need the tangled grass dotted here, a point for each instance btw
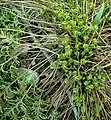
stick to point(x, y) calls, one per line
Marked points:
point(55, 60)
point(20, 96)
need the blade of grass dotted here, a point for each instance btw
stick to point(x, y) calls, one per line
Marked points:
point(97, 19)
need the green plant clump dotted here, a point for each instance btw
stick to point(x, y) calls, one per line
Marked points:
point(77, 56)
point(74, 60)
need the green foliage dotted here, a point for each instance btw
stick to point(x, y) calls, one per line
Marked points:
point(31, 79)
point(20, 98)
point(77, 55)
point(9, 40)
point(97, 19)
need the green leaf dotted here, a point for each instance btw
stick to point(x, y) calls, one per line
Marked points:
point(66, 42)
point(31, 78)
point(86, 47)
point(93, 27)
point(53, 66)
point(83, 61)
point(97, 19)
point(91, 87)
